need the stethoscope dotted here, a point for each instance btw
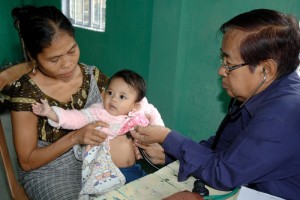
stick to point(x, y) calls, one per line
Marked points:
point(234, 110)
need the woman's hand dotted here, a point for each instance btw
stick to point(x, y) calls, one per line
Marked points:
point(154, 152)
point(150, 134)
point(90, 134)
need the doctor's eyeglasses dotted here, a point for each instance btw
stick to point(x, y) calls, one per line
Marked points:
point(230, 68)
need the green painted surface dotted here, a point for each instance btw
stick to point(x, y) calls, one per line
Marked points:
point(10, 50)
point(126, 41)
point(184, 61)
point(173, 44)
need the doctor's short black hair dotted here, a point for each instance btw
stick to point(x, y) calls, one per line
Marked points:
point(269, 34)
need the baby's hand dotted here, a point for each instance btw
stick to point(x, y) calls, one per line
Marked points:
point(42, 109)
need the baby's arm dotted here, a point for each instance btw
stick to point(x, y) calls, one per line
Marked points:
point(43, 109)
point(151, 113)
point(75, 119)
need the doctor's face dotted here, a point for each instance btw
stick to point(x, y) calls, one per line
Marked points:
point(237, 78)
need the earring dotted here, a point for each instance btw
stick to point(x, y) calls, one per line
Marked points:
point(33, 68)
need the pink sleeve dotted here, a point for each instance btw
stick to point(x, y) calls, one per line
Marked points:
point(75, 119)
point(149, 109)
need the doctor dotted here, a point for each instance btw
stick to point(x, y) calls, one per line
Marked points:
point(258, 142)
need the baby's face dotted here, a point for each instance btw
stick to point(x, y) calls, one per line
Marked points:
point(119, 98)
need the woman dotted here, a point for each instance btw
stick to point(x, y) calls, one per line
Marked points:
point(257, 144)
point(49, 169)
point(124, 106)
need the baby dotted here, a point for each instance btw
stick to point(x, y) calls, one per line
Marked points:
point(124, 106)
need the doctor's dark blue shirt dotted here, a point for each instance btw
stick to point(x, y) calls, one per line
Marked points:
point(260, 147)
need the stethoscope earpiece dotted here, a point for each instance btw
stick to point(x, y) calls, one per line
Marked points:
point(265, 75)
point(234, 110)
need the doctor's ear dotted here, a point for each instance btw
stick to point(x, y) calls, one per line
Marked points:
point(269, 68)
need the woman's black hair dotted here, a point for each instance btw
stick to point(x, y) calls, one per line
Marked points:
point(37, 26)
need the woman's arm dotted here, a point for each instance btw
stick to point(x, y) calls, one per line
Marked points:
point(31, 157)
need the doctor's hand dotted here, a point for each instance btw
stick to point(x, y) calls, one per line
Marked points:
point(155, 152)
point(150, 134)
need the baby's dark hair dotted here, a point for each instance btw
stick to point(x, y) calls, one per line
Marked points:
point(134, 80)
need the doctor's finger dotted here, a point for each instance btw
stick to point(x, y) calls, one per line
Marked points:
point(137, 136)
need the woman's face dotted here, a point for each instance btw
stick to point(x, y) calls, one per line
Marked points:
point(60, 60)
point(239, 83)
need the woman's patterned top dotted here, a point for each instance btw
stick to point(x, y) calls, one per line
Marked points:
point(24, 92)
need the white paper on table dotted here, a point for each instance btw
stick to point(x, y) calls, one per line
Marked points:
point(250, 194)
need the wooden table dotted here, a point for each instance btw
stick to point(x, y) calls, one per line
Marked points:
point(156, 186)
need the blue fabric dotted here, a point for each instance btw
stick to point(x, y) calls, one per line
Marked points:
point(132, 173)
point(260, 147)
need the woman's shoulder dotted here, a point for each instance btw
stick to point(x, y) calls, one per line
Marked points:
point(88, 69)
point(22, 93)
point(98, 75)
point(91, 69)
point(22, 86)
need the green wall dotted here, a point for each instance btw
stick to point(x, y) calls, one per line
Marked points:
point(184, 60)
point(126, 40)
point(10, 50)
point(173, 44)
